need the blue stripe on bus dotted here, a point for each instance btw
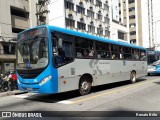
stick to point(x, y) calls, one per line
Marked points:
point(80, 34)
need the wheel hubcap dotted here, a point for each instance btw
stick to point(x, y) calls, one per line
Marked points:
point(133, 77)
point(85, 86)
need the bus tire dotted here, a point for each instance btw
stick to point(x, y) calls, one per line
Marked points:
point(84, 85)
point(133, 77)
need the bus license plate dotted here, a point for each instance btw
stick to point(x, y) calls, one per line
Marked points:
point(29, 88)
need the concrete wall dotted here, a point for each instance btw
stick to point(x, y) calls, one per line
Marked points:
point(32, 9)
point(5, 16)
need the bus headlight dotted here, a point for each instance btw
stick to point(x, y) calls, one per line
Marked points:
point(45, 80)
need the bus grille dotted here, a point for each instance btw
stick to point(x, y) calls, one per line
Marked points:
point(30, 74)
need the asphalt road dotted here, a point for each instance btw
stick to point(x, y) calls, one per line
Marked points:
point(119, 100)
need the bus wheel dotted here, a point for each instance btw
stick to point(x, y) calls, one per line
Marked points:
point(133, 77)
point(84, 85)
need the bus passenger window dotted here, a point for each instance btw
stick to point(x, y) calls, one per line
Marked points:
point(62, 48)
point(78, 53)
point(127, 53)
point(143, 55)
point(84, 48)
point(135, 54)
point(85, 53)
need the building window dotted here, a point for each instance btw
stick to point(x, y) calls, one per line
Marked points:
point(131, 1)
point(132, 9)
point(120, 35)
point(91, 1)
point(132, 25)
point(100, 30)
point(98, 3)
point(107, 33)
point(91, 29)
point(119, 4)
point(17, 30)
point(69, 5)
point(90, 14)
point(80, 10)
point(19, 12)
point(133, 33)
point(106, 7)
point(81, 26)
point(106, 20)
point(133, 41)
point(99, 15)
point(9, 48)
point(132, 17)
point(70, 22)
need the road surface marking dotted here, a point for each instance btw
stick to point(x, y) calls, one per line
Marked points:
point(65, 102)
point(113, 91)
point(21, 96)
point(61, 102)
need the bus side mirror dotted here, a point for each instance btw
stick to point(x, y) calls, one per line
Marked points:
point(60, 43)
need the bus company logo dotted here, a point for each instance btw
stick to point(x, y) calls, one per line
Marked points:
point(6, 114)
point(98, 66)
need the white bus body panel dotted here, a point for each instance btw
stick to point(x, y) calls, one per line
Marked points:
point(102, 72)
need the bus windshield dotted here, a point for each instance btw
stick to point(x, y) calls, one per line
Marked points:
point(32, 49)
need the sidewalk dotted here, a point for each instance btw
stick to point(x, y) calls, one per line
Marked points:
point(8, 93)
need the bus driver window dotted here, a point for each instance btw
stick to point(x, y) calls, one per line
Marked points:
point(62, 48)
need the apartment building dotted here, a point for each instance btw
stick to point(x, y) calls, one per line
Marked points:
point(96, 17)
point(14, 17)
point(134, 18)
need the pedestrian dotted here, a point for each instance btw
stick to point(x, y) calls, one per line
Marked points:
point(14, 80)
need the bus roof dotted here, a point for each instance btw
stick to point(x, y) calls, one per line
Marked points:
point(84, 35)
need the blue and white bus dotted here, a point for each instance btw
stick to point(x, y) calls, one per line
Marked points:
point(53, 60)
point(152, 56)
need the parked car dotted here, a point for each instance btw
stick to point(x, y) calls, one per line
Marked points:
point(154, 68)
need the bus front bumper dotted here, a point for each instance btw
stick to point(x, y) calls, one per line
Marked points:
point(37, 87)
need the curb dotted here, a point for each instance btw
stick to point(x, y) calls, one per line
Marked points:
point(8, 93)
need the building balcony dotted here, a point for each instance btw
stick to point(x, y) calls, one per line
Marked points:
point(132, 13)
point(7, 57)
point(131, 5)
point(132, 29)
point(132, 36)
point(132, 21)
point(7, 51)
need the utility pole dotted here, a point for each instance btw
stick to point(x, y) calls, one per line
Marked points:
point(41, 8)
point(150, 24)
